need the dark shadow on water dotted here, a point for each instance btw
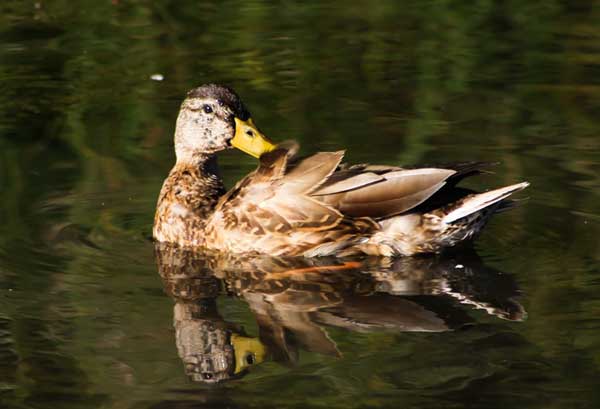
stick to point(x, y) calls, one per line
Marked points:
point(297, 301)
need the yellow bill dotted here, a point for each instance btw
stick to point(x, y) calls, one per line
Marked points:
point(247, 351)
point(249, 139)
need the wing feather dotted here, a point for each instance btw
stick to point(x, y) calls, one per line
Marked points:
point(274, 201)
point(313, 171)
point(351, 183)
point(396, 192)
point(316, 193)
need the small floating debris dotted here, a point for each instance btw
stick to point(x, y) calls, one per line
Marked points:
point(157, 77)
point(459, 266)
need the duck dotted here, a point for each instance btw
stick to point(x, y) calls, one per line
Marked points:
point(311, 206)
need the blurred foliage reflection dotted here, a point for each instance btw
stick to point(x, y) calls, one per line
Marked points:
point(85, 142)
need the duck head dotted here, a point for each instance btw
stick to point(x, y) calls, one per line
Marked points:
point(213, 118)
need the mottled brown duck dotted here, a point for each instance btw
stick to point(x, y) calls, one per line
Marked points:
point(313, 206)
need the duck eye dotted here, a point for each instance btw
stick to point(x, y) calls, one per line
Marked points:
point(207, 109)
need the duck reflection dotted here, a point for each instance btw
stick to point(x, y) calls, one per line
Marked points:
point(295, 301)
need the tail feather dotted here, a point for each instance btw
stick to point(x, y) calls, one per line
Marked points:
point(480, 201)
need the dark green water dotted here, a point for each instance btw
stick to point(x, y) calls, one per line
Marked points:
point(87, 321)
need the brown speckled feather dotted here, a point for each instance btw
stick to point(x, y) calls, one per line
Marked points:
point(271, 211)
point(186, 200)
point(317, 207)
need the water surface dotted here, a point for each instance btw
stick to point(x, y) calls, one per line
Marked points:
point(90, 317)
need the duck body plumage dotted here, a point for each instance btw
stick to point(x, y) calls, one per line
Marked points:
point(318, 206)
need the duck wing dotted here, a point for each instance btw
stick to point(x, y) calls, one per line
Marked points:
point(381, 192)
point(275, 200)
point(317, 192)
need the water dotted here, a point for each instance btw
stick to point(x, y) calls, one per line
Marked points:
point(90, 317)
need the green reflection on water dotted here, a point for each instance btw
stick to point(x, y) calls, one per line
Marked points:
point(85, 142)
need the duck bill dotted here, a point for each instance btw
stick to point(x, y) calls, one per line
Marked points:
point(244, 347)
point(249, 139)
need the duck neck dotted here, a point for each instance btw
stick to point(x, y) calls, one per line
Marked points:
point(205, 164)
point(201, 178)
